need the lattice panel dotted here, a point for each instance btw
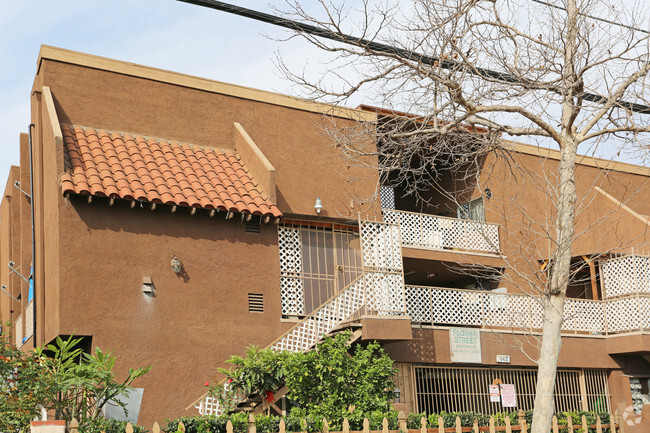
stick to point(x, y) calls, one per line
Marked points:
point(418, 303)
point(290, 249)
point(381, 246)
point(622, 315)
point(644, 311)
point(384, 292)
point(208, 406)
point(19, 331)
point(430, 231)
point(583, 315)
point(292, 296)
point(29, 320)
point(322, 321)
point(456, 307)
point(387, 197)
point(626, 275)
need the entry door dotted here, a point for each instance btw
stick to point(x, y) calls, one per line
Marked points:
point(331, 261)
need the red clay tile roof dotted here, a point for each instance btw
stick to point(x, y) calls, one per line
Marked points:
point(137, 168)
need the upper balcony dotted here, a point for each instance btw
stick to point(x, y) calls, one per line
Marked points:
point(444, 233)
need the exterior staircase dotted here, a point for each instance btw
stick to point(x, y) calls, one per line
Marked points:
point(378, 290)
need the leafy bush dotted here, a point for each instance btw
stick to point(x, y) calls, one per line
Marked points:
point(270, 424)
point(61, 383)
point(102, 425)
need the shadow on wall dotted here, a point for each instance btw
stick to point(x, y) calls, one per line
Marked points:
point(140, 219)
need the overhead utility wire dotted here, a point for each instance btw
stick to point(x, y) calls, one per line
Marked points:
point(387, 49)
point(594, 18)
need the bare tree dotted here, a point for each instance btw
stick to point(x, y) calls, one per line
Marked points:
point(515, 68)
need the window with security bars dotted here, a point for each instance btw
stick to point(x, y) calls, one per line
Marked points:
point(472, 210)
point(457, 389)
point(316, 262)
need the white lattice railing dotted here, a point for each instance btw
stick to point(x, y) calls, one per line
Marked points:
point(625, 275)
point(432, 305)
point(430, 231)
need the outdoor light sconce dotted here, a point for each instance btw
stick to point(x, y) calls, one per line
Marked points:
point(397, 393)
point(488, 193)
point(147, 286)
point(177, 266)
point(319, 205)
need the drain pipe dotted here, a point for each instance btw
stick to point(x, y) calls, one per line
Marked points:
point(31, 200)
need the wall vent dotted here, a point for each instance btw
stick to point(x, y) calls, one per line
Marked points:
point(255, 303)
point(253, 227)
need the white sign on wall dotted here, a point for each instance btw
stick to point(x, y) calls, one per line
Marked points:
point(465, 345)
point(508, 395)
point(495, 395)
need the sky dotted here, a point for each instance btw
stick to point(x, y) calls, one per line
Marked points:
point(165, 34)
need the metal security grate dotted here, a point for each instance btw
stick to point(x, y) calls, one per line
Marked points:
point(255, 303)
point(462, 389)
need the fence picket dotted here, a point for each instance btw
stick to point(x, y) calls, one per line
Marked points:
point(73, 426)
point(423, 425)
point(599, 425)
point(366, 425)
point(384, 426)
point(459, 427)
point(508, 426)
point(475, 426)
point(584, 423)
point(441, 425)
point(569, 424)
point(181, 427)
point(346, 425)
point(555, 427)
point(401, 421)
point(229, 428)
point(326, 427)
point(492, 429)
point(155, 428)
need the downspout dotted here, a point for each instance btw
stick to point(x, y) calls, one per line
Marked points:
point(33, 270)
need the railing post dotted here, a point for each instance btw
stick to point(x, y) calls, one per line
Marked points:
point(521, 416)
point(401, 421)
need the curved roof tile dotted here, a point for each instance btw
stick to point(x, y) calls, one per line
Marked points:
point(131, 166)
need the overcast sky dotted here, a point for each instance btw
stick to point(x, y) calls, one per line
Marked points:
point(164, 34)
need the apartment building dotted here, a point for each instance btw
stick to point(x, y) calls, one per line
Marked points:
point(178, 220)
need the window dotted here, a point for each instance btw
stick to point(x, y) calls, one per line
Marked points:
point(472, 210)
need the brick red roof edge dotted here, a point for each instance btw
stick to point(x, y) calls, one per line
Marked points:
point(132, 167)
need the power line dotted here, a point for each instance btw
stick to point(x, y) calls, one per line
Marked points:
point(387, 49)
point(594, 18)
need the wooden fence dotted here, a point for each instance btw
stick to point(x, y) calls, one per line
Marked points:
point(521, 427)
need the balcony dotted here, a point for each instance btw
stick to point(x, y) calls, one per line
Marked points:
point(443, 233)
point(440, 306)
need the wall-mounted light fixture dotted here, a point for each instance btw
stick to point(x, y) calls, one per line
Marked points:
point(396, 394)
point(488, 193)
point(318, 206)
point(4, 289)
point(177, 266)
point(147, 286)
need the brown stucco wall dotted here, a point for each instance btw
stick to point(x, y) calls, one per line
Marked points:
point(303, 155)
point(195, 322)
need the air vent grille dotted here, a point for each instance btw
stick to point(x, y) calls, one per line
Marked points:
point(255, 303)
point(253, 227)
